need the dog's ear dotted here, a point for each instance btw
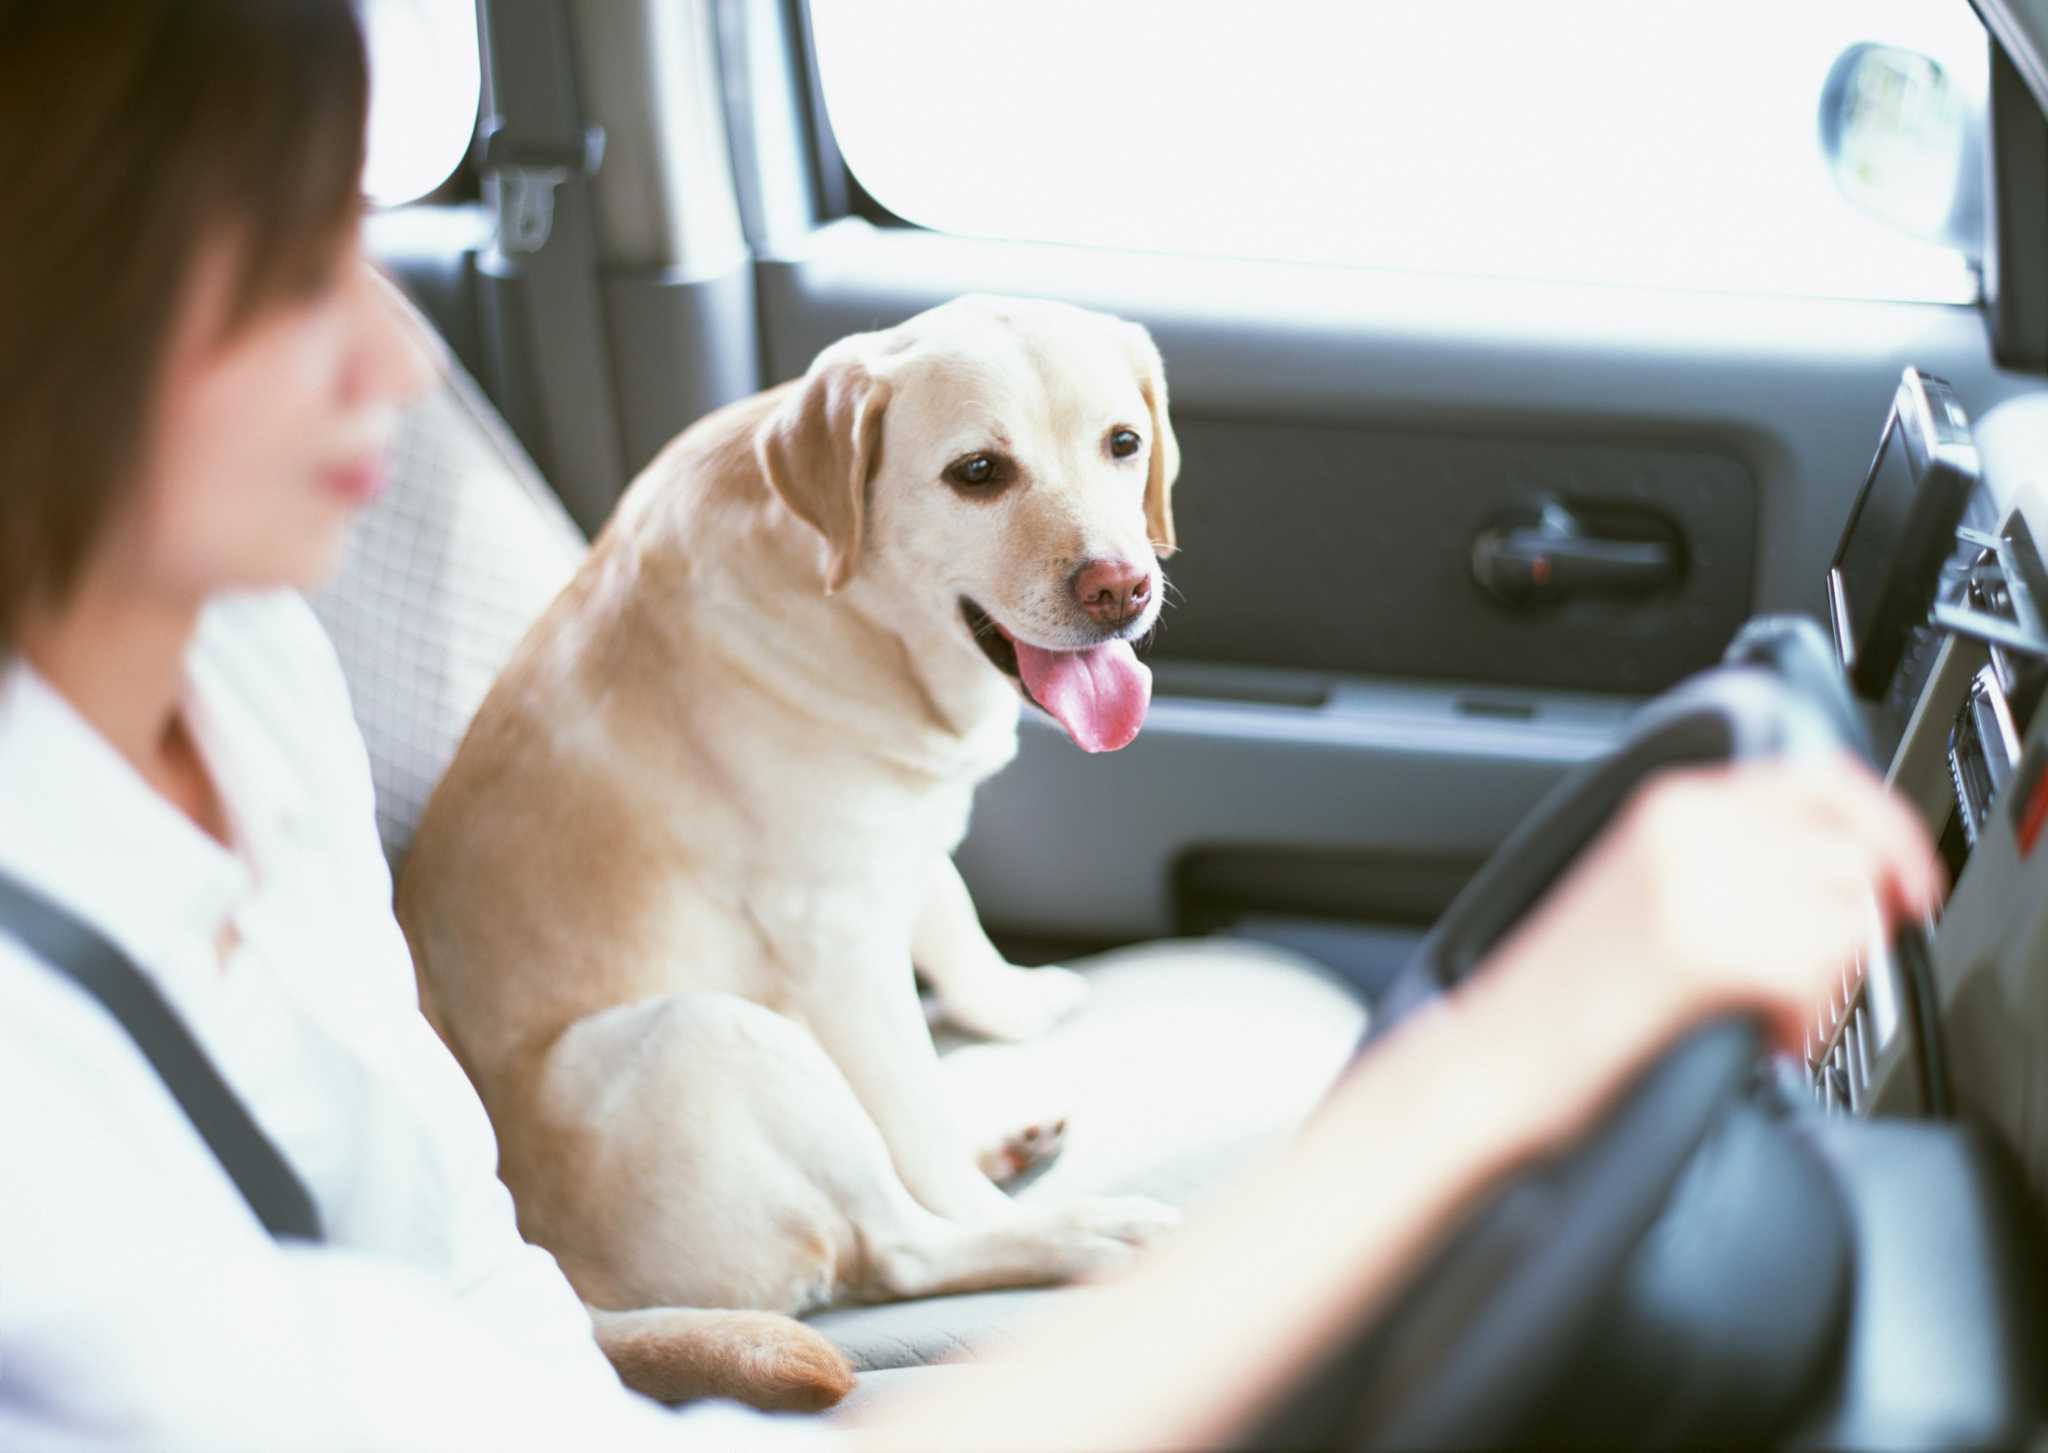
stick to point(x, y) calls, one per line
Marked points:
point(1165, 463)
point(818, 450)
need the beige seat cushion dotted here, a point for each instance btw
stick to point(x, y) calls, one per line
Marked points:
point(1189, 1058)
point(441, 577)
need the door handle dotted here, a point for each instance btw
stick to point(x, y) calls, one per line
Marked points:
point(1554, 557)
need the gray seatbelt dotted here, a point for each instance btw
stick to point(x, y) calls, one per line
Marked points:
point(85, 956)
point(542, 311)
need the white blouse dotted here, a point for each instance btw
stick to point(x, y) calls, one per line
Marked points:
point(141, 1302)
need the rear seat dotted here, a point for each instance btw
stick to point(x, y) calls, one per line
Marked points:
point(1189, 1056)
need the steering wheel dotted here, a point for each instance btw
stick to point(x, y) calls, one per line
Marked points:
point(1579, 1274)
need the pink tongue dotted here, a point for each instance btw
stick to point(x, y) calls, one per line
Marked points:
point(1099, 695)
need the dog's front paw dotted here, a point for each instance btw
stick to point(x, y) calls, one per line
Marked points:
point(1013, 1003)
point(1105, 1232)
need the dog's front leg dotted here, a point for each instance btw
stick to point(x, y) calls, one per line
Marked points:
point(865, 1013)
point(979, 990)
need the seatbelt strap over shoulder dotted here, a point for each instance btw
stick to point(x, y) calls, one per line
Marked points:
point(85, 956)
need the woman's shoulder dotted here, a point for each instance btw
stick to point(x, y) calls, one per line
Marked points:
point(271, 643)
point(267, 652)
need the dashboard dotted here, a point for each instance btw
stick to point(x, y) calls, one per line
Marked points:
point(1956, 1021)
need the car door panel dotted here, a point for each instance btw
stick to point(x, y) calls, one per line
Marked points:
point(1217, 794)
point(1345, 434)
point(1352, 550)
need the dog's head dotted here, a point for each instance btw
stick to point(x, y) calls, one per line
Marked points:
point(1006, 466)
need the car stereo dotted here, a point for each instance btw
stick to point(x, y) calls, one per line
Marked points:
point(1888, 563)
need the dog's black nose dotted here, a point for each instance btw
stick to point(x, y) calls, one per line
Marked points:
point(1112, 591)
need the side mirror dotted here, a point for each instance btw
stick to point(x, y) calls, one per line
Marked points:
point(1905, 144)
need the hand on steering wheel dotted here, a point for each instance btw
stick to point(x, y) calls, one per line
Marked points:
point(1722, 867)
point(1734, 886)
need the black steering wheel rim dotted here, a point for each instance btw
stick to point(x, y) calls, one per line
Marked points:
point(1475, 1343)
point(1470, 1351)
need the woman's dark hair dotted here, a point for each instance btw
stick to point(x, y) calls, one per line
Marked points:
point(133, 135)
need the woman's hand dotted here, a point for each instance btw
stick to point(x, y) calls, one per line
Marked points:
point(1745, 886)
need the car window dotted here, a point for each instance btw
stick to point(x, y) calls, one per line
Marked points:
point(425, 82)
point(1670, 144)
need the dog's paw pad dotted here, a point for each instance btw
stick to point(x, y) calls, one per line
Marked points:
point(1031, 1148)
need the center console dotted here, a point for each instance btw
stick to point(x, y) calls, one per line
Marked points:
point(1930, 1063)
point(1934, 597)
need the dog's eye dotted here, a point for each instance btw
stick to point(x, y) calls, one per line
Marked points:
point(1123, 443)
point(977, 471)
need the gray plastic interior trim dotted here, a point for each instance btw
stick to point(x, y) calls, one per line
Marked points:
point(547, 364)
point(2012, 443)
point(1065, 843)
point(648, 73)
point(765, 122)
point(681, 347)
point(1988, 951)
point(1932, 1336)
point(1991, 942)
point(2021, 27)
point(1337, 533)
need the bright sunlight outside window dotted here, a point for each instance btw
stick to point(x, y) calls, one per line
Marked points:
point(424, 87)
point(1667, 144)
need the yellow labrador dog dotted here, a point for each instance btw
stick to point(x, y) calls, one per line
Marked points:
point(666, 903)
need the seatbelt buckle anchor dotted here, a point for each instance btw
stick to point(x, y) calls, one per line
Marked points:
point(523, 175)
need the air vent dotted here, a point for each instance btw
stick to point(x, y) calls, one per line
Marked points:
point(1839, 1054)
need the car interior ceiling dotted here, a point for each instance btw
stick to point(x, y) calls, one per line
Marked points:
point(1382, 766)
